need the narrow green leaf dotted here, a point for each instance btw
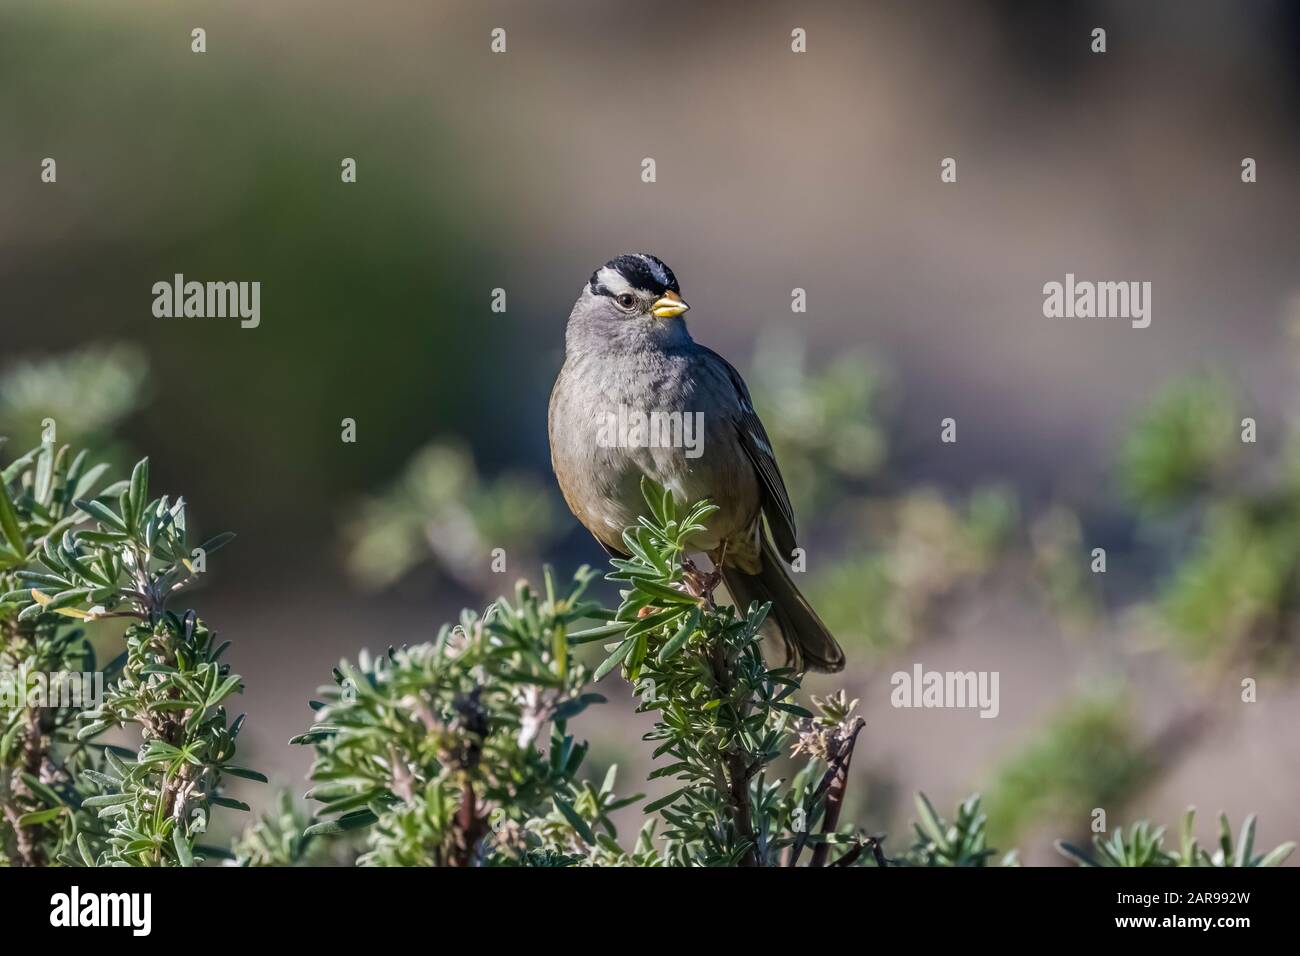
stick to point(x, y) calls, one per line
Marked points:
point(101, 513)
point(662, 592)
point(9, 522)
point(1072, 851)
point(86, 483)
point(929, 819)
point(579, 825)
point(591, 635)
point(228, 687)
point(38, 817)
point(107, 800)
point(230, 803)
point(182, 845)
point(678, 640)
point(613, 660)
point(349, 821)
point(651, 621)
point(139, 493)
point(18, 466)
point(1277, 856)
point(665, 801)
point(1246, 842)
point(245, 773)
point(84, 849)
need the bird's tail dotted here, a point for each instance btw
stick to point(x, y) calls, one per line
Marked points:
point(807, 642)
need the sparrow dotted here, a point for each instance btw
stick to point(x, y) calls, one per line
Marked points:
point(637, 396)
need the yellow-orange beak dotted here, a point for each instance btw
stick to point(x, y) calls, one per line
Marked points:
point(668, 305)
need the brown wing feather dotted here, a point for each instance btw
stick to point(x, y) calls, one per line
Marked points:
point(758, 448)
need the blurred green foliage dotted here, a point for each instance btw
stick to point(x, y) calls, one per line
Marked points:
point(1229, 512)
point(1086, 755)
point(1145, 846)
point(1236, 593)
point(440, 508)
point(963, 842)
point(1181, 443)
point(1058, 557)
point(829, 429)
point(87, 393)
point(923, 549)
point(278, 837)
point(824, 424)
point(375, 293)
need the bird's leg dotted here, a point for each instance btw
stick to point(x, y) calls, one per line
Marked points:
point(692, 578)
point(697, 583)
point(714, 577)
point(701, 584)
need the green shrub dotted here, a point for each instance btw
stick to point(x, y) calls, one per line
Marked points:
point(458, 752)
point(89, 556)
point(1144, 846)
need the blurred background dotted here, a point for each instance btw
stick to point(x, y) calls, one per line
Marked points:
point(522, 171)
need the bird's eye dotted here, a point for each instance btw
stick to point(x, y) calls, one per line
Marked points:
point(626, 300)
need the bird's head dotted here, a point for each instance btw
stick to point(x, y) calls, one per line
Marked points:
point(632, 296)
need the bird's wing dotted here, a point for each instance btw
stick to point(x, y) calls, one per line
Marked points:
point(758, 448)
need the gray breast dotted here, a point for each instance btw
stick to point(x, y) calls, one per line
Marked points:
point(614, 419)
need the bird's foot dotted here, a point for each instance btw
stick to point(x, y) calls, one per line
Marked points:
point(700, 584)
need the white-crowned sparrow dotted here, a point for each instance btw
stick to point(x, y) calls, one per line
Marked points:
point(638, 396)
